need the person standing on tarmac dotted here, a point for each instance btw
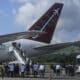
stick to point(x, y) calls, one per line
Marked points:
point(11, 70)
point(58, 68)
point(42, 70)
point(22, 70)
point(6, 69)
point(16, 70)
point(2, 71)
point(35, 70)
point(28, 69)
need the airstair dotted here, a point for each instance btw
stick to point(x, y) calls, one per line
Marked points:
point(19, 54)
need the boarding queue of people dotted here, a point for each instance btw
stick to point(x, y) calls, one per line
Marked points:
point(21, 70)
point(63, 70)
point(36, 70)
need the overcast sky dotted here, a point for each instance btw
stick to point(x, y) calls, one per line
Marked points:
point(19, 15)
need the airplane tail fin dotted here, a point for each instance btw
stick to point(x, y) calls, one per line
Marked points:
point(47, 24)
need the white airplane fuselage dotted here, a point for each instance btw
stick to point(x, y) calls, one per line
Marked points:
point(26, 45)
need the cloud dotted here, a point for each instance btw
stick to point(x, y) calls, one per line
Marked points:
point(30, 12)
point(68, 26)
point(24, 14)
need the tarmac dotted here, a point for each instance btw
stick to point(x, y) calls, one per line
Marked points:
point(75, 78)
point(46, 78)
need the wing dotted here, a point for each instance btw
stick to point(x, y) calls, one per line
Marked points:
point(53, 48)
point(21, 35)
point(50, 49)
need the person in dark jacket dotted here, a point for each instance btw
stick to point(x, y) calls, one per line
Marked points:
point(28, 69)
point(16, 70)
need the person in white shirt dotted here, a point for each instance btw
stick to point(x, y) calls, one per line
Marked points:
point(22, 70)
point(58, 68)
point(42, 70)
point(11, 69)
point(35, 70)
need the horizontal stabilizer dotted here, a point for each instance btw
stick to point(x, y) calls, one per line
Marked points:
point(21, 35)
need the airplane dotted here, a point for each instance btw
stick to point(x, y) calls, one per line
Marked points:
point(18, 47)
